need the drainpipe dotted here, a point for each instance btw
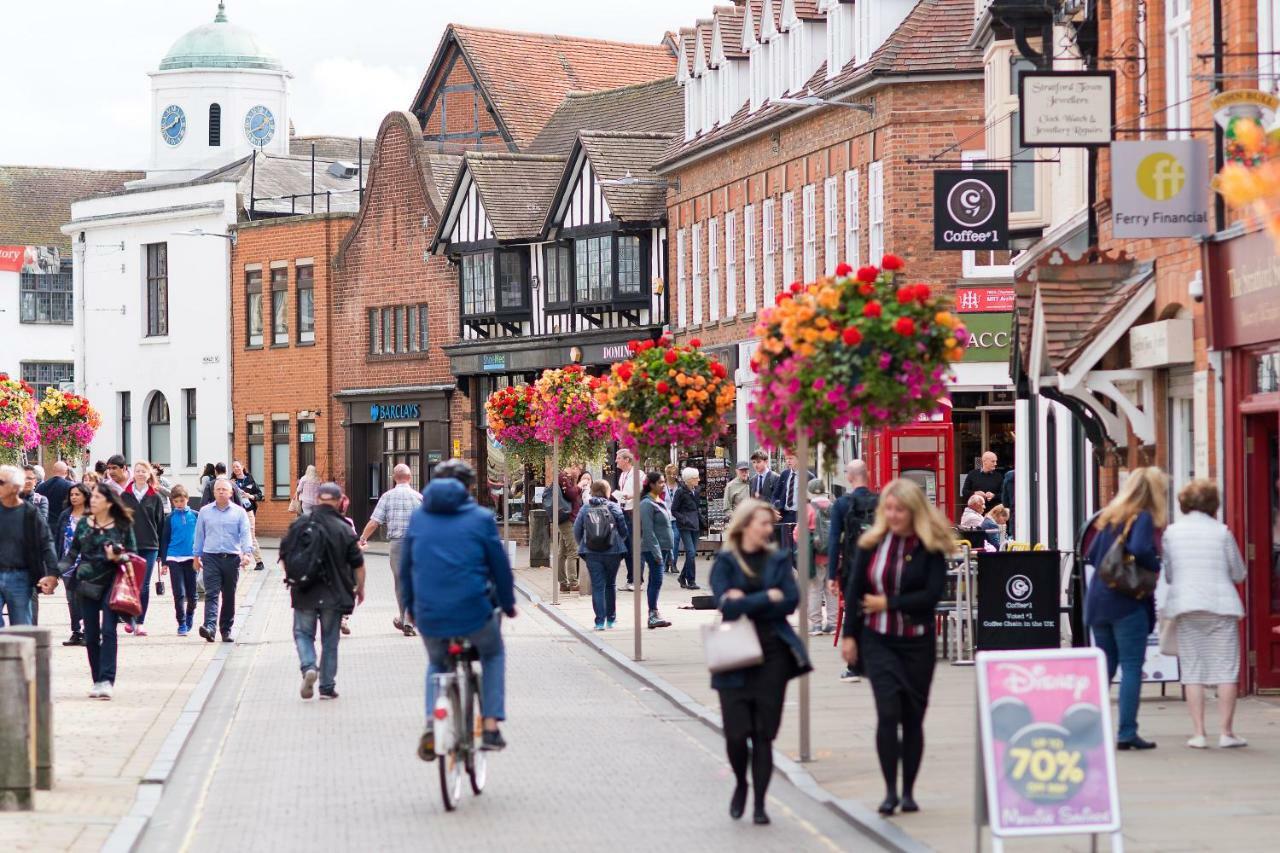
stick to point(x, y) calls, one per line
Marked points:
point(1219, 159)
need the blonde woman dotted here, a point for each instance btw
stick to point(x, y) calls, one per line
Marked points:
point(750, 578)
point(1202, 566)
point(1121, 624)
point(896, 581)
point(308, 485)
point(142, 499)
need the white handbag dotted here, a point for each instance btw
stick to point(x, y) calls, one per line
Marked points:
point(732, 644)
point(1169, 637)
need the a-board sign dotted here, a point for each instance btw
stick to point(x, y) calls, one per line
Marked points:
point(1046, 744)
point(1018, 595)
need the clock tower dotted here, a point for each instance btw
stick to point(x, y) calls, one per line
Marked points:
point(218, 95)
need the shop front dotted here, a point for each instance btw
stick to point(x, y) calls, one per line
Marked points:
point(1244, 319)
point(389, 426)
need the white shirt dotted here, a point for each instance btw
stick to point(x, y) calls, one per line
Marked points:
point(626, 488)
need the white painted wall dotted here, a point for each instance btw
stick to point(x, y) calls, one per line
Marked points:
point(27, 342)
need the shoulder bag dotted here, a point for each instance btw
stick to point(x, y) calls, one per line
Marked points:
point(126, 595)
point(731, 644)
point(1119, 572)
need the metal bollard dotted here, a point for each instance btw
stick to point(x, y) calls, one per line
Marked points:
point(44, 698)
point(17, 723)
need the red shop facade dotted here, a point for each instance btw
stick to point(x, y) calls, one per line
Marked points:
point(1243, 294)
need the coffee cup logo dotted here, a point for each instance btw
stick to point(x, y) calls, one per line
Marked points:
point(971, 203)
point(1018, 588)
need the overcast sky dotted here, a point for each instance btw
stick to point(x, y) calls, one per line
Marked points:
point(75, 71)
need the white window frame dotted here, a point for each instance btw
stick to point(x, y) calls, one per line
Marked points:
point(682, 283)
point(875, 211)
point(769, 242)
point(809, 234)
point(1268, 43)
point(749, 258)
point(713, 269)
point(697, 274)
point(831, 224)
point(730, 264)
point(1002, 111)
point(852, 219)
point(1177, 79)
point(788, 238)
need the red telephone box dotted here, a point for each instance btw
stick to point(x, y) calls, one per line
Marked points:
point(921, 451)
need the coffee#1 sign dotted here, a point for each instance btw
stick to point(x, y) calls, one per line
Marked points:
point(1047, 756)
point(970, 209)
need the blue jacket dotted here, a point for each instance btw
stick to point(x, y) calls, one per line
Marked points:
point(453, 568)
point(620, 527)
point(178, 535)
point(727, 574)
point(1102, 604)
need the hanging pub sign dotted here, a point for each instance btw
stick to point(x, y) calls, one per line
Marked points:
point(1067, 109)
point(1160, 188)
point(970, 209)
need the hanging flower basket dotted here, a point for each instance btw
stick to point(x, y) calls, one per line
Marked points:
point(666, 395)
point(67, 423)
point(856, 350)
point(513, 417)
point(568, 413)
point(1251, 178)
point(19, 432)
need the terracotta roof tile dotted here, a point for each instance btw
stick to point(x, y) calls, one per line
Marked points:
point(730, 19)
point(656, 107)
point(615, 155)
point(516, 189)
point(35, 201)
point(527, 75)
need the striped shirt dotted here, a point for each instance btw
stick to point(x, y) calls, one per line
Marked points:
point(884, 575)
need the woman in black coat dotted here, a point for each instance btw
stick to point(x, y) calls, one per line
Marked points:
point(752, 579)
point(897, 578)
point(147, 507)
point(688, 519)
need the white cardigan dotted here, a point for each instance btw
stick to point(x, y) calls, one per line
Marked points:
point(1201, 565)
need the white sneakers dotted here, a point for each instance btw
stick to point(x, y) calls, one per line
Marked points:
point(1197, 742)
point(1224, 742)
point(96, 692)
point(101, 690)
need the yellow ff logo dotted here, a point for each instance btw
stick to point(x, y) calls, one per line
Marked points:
point(1161, 176)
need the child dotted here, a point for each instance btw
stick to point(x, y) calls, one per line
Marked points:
point(177, 546)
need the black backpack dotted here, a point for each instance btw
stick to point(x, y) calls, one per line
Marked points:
point(861, 515)
point(566, 510)
point(305, 552)
point(598, 528)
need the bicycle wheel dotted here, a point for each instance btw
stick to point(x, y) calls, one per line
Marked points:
point(451, 764)
point(477, 759)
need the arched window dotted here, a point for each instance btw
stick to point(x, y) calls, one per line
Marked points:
point(158, 430)
point(215, 125)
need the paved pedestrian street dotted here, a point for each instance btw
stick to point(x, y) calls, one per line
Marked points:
point(594, 762)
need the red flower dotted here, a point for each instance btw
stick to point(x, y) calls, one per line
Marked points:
point(662, 386)
point(718, 370)
point(509, 412)
point(664, 341)
point(906, 294)
point(866, 289)
point(872, 309)
point(891, 262)
point(781, 298)
point(852, 337)
point(671, 356)
point(633, 346)
point(905, 326)
point(624, 371)
point(755, 365)
point(797, 287)
point(922, 293)
point(695, 342)
point(867, 275)
point(843, 270)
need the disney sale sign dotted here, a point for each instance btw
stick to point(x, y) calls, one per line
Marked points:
point(1048, 754)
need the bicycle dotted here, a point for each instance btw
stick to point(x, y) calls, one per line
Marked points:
point(458, 723)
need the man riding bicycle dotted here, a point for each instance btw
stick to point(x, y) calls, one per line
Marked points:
point(456, 580)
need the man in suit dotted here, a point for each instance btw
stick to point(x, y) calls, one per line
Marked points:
point(763, 480)
point(786, 495)
point(55, 490)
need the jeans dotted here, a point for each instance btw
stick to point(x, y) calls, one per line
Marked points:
point(73, 604)
point(150, 556)
point(100, 637)
point(1124, 642)
point(487, 642)
point(626, 558)
point(689, 541)
point(304, 637)
point(674, 553)
point(221, 572)
point(604, 585)
point(653, 560)
point(395, 546)
point(253, 535)
point(182, 576)
point(15, 591)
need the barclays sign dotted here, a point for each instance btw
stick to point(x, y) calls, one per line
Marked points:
point(393, 412)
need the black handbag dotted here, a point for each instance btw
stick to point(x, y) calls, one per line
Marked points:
point(1119, 572)
point(91, 590)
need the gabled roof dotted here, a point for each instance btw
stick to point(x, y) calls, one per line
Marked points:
point(443, 170)
point(525, 76)
point(728, 22)
point(515, 189)
point(35, 201)
point(614, 156)
point(656, 107)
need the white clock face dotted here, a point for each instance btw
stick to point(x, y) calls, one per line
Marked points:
point(259, 125)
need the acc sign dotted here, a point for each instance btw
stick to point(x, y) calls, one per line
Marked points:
point(970, 210)
point(1160, 188)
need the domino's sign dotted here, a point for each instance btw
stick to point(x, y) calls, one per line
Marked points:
point(970, 209)
point(393, 412)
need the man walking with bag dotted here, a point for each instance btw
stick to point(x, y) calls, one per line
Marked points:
point(324, 567)
point(570, 505)
point(394, 509)
point(223, 544)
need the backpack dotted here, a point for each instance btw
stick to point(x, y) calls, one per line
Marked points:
point(861, 515)
point(305, 552)
point(598, 528)
point(566, 510)
point(821, 528)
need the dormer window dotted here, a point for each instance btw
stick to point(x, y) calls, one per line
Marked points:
point(215, 125)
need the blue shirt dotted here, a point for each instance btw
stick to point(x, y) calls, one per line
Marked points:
point(223, 531)
point(180, 543)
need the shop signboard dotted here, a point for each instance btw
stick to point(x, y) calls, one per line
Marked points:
point(493, 362)
point(393, 412)
point(980, 300)
point(1067, 109)
point(30, 259)
point(970, 209)
point(1018, 594)
point(989, 337)
point(1244, 291)
point(1160, 188)
point(1162, 344)
point(1047, 761)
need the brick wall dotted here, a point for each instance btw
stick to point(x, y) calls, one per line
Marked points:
point(272, 380)
point(457, 115)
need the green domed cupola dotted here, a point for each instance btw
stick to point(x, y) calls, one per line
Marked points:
point(219, 45)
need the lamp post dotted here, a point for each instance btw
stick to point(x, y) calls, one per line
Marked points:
point(555, 518)
point(804, 559)
point(637, 533)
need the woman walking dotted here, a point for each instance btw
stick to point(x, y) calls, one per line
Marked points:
point(63, 532)
point(655, 541)
point(672, 476)
point(750, 578)
point(305, 493)
point(177, 552)
point(1202, 566)
point(101, 544)
point(1121, 624)
point(599, 531)
point(142, 499)
point(684, 509)
point(207, 476)
point(897, 578)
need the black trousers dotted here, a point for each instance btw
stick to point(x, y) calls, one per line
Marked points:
point(900, 670)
